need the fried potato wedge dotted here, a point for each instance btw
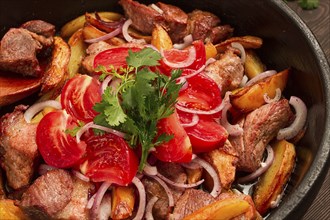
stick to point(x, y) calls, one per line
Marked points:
point(251, 97)
point(224, 164)
point(253, 65)
point(272, 183)
point(57, 71)
point(91, 32)
point(10, 211)
point(122, 202)
point(160, 38)
point(78, 51)
point(210, 50)
point(72, 26)
point(248, 42)
point(221, 210)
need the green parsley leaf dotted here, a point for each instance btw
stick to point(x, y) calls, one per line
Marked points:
point(309, 4)
point(73, 132)
point(142, 99)
point(144, 57)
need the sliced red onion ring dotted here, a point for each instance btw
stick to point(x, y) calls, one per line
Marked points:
point(180, 185)
point(185, 63)
point(105, 83)
point(44, 168)
point(142, 198)
point(299, 121)
point(105, 37)
point(208, 167)
point(195, 72)
point(244, 81)
point(156, 8)
point(115, 83)
point(37, 107)
point(95, 210)
point(210, 60)
point(187, 40)
point(260, 76)
point(193, 122)
point(152, 47)
point(126, 35)
point(233, 130)
point(263, 168)
point(149, 207)
point(150, 170)
point(167, 190)
point(90, 202)
point(241, 49)
point(102, 128)
point(276, 98)
point(80, 176)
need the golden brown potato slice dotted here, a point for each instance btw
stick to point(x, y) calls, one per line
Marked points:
point(91, 32)
point(224, 164)
point(9, 211)
point(210, 50)
point(272, 183)
point(221, 210)
point(57, 70)
point(160, 38)
point(72, 26)
point(122, 202)
point(248, 42)
point(251, 97)
point(78, 50)
point(253, 65)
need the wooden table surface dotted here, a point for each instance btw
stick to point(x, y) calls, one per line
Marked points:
point(318, 20)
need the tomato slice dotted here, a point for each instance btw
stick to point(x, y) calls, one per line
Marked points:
point(115, 57)
point(79, 95)
point(202, 93)
point(174, 55)
point(110, 159)
point(178, 149)
point(206, 135)
point(57, 148)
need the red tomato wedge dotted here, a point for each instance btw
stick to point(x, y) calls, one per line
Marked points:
point(176, 56)
point(115, 57)
point(178, 149)
point(202, 93)
point(79, 95)
point(206, 135)
point(57, 148)
point(110, 159)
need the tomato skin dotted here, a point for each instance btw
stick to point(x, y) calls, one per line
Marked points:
point(202, 93)
point(177, 55)
point(206, 136)
point(57, 148)
point(115, 57)
point(110, 159)
point(178, 149)
point(79, 95)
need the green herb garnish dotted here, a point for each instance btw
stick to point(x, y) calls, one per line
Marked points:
point(309, 4)
point(142, 98)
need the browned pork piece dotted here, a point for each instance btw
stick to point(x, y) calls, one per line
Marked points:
point(190, 201)
point(49, 194)
point(18, 149)
point(39, 27)
point(260, 127)
point(19, 47)
point(76, 208)
point(205, 25)
point(227, 72)
point(175, 173)
point(18, 51)
point(202, 25)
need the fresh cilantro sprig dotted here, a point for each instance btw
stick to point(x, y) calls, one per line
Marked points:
point(142, 99)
